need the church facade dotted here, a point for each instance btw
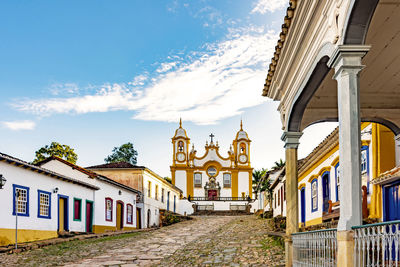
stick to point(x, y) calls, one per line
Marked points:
point(212, 181)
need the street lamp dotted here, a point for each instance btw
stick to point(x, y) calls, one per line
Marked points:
point(2, 181)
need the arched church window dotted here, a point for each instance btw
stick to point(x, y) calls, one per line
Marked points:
point(243, 148)
point(180, 146)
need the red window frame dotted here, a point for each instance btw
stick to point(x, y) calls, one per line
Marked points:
point(105, 208)
point(127, 214)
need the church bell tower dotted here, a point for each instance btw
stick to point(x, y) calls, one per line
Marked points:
point(180, 143)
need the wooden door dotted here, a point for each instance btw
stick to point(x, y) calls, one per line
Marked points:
point(325, 192)
point(303, 205)
point(212, 194)
point(138, 218)
point(61, 214)
point(89, 217)
point(120, 210)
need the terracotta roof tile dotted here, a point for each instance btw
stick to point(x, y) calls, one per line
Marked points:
point(116, 165)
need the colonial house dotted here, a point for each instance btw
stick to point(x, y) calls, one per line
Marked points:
point(45, 202)
point(114, 202)
point(278, 186)
point(336, 61)
point(158, 194)
point(212, 181)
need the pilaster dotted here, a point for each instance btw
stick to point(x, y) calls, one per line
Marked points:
point(397, 149)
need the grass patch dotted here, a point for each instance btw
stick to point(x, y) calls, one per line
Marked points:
point(272, 242)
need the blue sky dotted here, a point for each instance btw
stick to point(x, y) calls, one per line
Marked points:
point(97, 74)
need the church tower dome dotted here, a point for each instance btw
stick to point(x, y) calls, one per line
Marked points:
point(241, 146)
point(180, 143)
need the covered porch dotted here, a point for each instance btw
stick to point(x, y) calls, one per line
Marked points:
point(338, 61)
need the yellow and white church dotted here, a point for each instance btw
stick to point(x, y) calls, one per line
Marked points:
point(212, 182)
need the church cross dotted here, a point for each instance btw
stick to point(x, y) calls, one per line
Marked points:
point(211, 135)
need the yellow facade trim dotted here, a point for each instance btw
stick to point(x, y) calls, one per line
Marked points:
point(235, 183)
point(250, 184)
point(319, 162)
point(335, 161)
point(7, 236)
point(312, 178)
point(365, 142)
point(312, 222)
point(189, 183)
point(324, 169)
point(301, 186)
point(105, 228)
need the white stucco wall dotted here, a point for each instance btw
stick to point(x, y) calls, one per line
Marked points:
point(180, 181)
point(243, 184)
point(106, 190)
point(36, 181)
point(153, 204)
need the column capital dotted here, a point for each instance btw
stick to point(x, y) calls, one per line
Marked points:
point(348, 57)
point(291, 139)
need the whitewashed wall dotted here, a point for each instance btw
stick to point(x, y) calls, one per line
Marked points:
point(36, 181)
point(106, 190)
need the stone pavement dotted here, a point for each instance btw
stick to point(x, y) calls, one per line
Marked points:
point(204, 241)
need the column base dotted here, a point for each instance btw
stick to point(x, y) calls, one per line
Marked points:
point(288, 251)
point(345, 243)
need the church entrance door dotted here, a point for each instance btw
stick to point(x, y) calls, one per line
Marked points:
point(212, 194)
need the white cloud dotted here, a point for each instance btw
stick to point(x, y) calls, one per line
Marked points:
point(211, 85)
point(63, 88)
point(19, 125)
point(264, 6)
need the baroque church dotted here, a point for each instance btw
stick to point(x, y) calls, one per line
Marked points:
point(212, 181)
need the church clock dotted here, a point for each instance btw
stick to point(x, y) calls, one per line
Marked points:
point(243, 158)
point(180, 157)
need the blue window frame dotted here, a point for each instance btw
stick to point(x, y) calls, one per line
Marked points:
point(314, 195)
point(365, 163)
point(23, 200)
point(44, 204)
point(337, 175)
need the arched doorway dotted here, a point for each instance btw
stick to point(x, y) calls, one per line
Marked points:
point(120, 215)
point(148, 218)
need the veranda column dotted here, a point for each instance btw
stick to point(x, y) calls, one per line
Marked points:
point(291, 140)
point(347, 64)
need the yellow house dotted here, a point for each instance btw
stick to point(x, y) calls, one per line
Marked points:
point(319, 178)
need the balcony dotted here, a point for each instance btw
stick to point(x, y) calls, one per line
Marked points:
point(215, 198)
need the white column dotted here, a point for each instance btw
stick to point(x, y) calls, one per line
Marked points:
point(397, 149)
point(347, 64)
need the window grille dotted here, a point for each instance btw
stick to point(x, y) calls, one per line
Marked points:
point(44, 207)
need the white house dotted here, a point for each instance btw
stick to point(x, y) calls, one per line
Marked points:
point(45, 202)
point(114, 203)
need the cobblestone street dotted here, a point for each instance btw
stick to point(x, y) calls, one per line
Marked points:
point(204, 241)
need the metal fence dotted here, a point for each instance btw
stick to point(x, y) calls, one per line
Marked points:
point(377, 244)
point(315, 248)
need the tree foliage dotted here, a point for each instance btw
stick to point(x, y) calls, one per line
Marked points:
point(169, 180)
point(125, 152)
point(278, 164)
point(258, 180)
point(56, 149)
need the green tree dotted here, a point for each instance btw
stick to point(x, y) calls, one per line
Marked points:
point(125, 152)
point(56, 149)
point(169, 180)
point(258, 181)
point(278, 164)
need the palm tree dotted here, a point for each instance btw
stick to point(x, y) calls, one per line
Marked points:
point(279, 164)
point(258, 176)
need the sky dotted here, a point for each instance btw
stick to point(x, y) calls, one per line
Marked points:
point(97, 74)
